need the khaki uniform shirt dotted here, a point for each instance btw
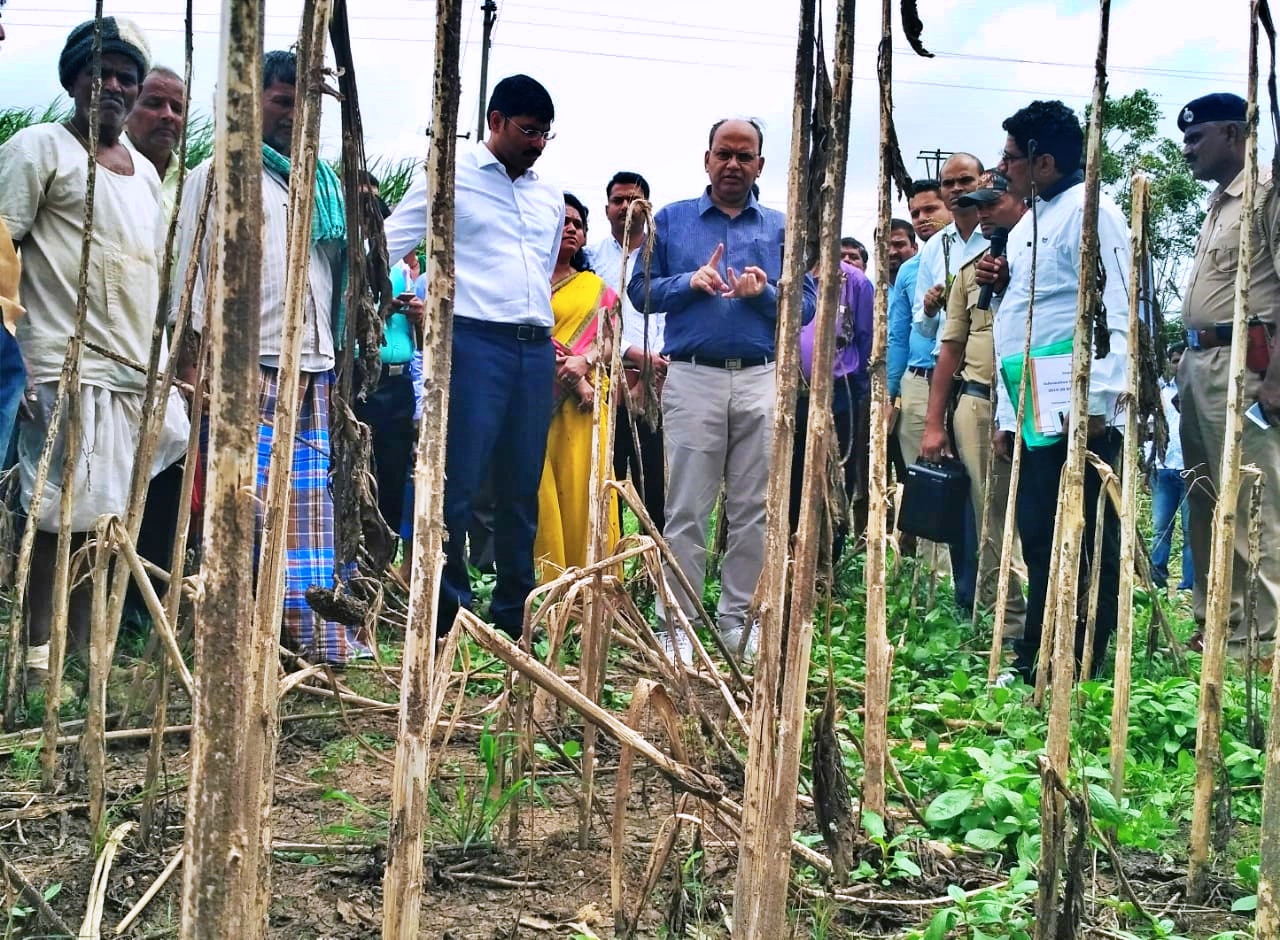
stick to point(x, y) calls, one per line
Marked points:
point(966, 323)
point(1210, 296)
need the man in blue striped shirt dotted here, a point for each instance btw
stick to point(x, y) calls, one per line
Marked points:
point(715, 268)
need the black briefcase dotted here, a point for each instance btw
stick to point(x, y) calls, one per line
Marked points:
point(935, 497)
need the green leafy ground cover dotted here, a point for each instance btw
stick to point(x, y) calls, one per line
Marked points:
point(967, 754)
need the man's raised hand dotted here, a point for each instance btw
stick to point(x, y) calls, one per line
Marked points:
point(707, 278)
point(750, 284)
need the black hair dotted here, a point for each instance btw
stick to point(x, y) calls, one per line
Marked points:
point(723, 121)
point(279, 65)
point(925, 186)
point(579, 261)
point(365, 178)
point(627, 178)
point(902, 225)
point(518, 95)
point(1048, 127)
point(851, 242)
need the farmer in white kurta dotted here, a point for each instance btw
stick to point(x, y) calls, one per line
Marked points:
point(43, 182)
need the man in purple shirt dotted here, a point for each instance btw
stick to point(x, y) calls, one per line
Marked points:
point(854, 326)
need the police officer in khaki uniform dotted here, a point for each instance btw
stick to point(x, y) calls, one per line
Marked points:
point(968, 354)
point(1213, 130)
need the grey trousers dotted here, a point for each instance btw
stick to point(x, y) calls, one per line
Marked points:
point(718, 425)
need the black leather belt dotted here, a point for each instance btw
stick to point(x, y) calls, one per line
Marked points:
point(920, 371)
point(522, 332)
point(976, 389)
point(742, 362)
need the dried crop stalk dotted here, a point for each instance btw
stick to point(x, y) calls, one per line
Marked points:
point(1222, 547)
point(402, 885)
point(777, 726)
point(68, 387)
point(226, 805)
point(596, 624)
point(759, 897)
point(875, 745)
point(156, 390)
point(1069, 530)
point(1129, 492)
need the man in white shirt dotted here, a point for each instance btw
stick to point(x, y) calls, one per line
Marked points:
point(641, 344)
point(43, 186)
point(508, 223)
point(310, 536)
point(155, 128)
point(1042, 162)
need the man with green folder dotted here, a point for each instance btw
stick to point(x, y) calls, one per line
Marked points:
point(1042, 159)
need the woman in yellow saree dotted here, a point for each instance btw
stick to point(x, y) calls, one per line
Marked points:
point(580, 301)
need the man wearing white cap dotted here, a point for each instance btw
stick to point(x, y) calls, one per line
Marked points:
point(43, 184)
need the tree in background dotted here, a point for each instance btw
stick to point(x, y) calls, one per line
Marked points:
point(1132, 142)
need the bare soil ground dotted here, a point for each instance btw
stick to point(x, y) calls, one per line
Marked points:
point(332, 788)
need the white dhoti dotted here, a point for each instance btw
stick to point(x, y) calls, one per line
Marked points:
point(110, 428)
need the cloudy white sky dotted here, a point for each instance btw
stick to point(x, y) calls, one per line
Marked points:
point(637, 84)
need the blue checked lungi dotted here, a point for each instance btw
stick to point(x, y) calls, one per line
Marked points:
point(309, 550)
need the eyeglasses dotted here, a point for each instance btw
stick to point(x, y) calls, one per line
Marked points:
point(743, 158)
point(532, 133)
point(1006, 157)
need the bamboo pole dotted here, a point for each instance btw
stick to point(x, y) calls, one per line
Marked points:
point(226, 812)
point(1129, 491)
point(759, 897)
point(1222, 548)
point(402, 885)
point(1069, 529)
point(875, 746)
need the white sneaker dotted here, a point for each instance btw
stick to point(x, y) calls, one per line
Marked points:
point(677, 646)
point(734, 641)
point(1006, 678)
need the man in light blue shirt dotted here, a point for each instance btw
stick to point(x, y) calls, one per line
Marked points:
point(715, 267)
point(508, 224)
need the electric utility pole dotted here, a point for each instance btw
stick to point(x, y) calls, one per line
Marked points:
point(490, 9)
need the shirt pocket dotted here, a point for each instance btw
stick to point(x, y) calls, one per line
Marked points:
point(1057, 269)
point(979, 319)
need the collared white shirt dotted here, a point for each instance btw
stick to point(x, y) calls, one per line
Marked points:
point(43, 180)
point(506, 238)
point(1060, 222)
point(323, 292)
point(941, 259)
point(606, 260)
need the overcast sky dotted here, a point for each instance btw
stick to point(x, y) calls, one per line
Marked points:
point(636, 85)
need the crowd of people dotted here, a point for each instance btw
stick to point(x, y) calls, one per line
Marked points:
point(988, 254)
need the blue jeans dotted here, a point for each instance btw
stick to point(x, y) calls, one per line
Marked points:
point(13, 385)
point(1167, 495)
point(499, 414)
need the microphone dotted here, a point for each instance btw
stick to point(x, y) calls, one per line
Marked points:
point(999, 241)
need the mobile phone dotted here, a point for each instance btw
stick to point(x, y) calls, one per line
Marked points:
point(1254, 414)
point(405, 297)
